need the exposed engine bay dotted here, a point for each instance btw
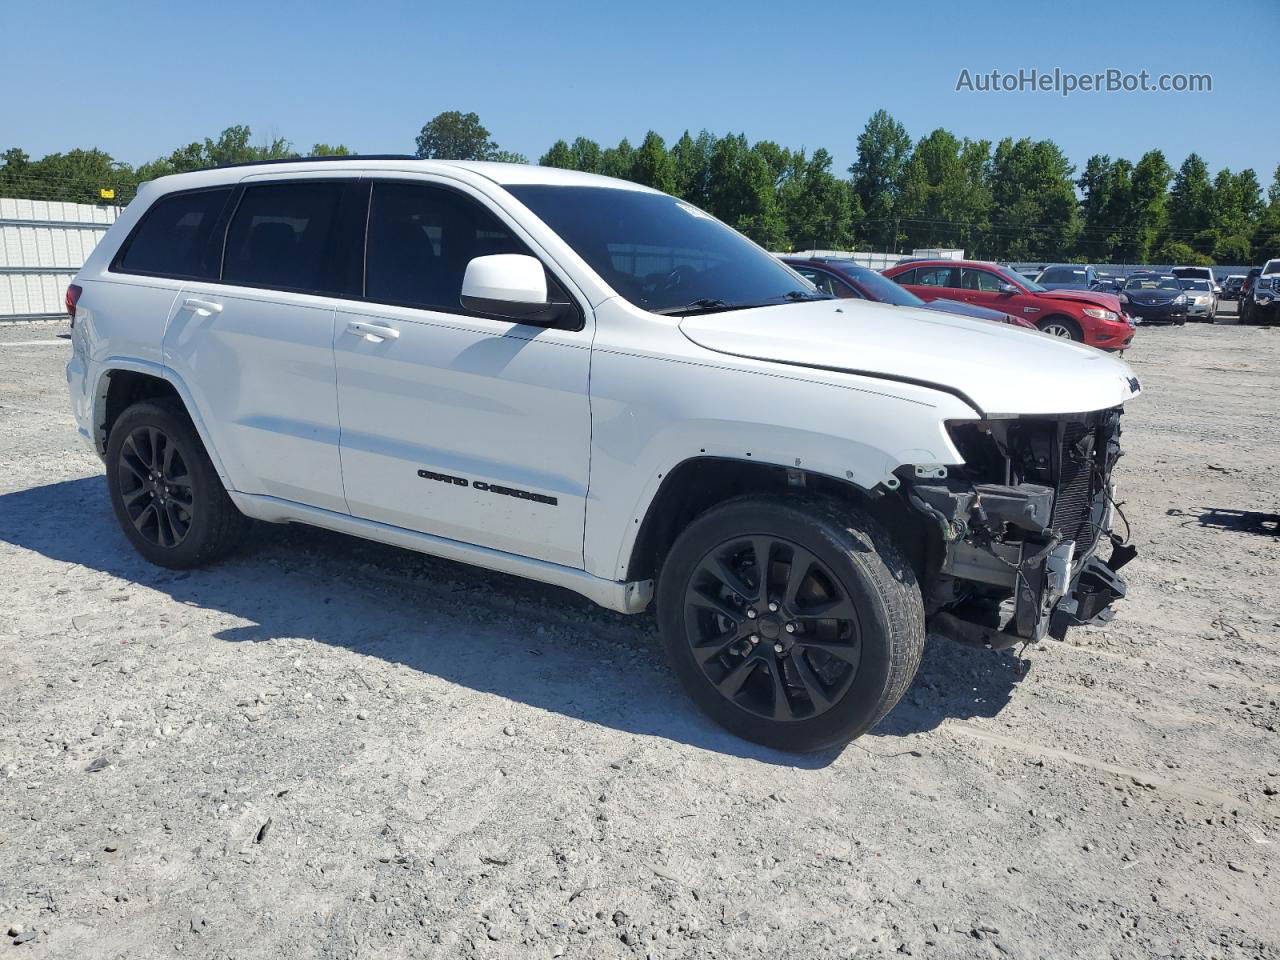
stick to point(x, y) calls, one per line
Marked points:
point(1022, 524)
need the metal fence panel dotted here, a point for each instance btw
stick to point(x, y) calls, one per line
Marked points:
point(42, 246)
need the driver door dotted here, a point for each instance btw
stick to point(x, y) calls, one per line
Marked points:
point(453, 423)
point(982, 289)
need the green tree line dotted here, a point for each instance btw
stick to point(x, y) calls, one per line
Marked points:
point(1005, 200)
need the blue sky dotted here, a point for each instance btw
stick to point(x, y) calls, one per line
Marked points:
point(139, 77)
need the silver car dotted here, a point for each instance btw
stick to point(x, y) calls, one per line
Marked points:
point(1202, 299)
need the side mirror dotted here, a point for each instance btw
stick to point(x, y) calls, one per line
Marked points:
point(1217, 291)
point(512, 286)
point(1008, 288)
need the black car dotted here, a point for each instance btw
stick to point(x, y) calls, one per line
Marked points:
point(1151, 298)
point(1231, 287)
point(1246, 309)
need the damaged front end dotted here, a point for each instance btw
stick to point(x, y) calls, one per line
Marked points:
point(1021, 527)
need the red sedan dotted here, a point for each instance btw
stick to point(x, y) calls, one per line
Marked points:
point(1086, 316)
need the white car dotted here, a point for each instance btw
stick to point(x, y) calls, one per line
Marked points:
point(1202, 300)
point(592, 384)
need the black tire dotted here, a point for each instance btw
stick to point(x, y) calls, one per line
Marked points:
point(179, 515)
point(1050, 324)
point(851, 564)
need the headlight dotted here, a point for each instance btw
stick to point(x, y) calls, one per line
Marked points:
point(1265, 282)
point(1180, 298)
point(1101, 314)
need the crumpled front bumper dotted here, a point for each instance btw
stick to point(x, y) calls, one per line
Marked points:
point(1051, 587)
point(1095, 587)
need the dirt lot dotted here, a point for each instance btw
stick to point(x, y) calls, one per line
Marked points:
point(326, 748)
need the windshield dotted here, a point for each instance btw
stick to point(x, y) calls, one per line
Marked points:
point(663, 254)
point(878, 286)
point(1153, 283)
point(1195, 285)
point(1019, 280)
point(1064, 275)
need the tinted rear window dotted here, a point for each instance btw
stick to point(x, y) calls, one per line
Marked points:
point(1064, 275)
point(282, 236)
point(175, 238)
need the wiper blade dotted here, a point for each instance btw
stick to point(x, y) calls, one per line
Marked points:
point(807, 295)
point(705, 305)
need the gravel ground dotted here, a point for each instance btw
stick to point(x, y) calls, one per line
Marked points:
point(326, 748)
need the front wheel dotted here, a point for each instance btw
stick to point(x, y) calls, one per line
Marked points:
point(1063, 327)
point(794, 623)
point(165, 491)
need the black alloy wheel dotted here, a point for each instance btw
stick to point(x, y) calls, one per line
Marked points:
point(155, 487)
point(791, 620)
point(165, 492)
point(771, 628)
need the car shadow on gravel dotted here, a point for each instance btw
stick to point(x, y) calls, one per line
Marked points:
point(490, 632)
point(1244, 521)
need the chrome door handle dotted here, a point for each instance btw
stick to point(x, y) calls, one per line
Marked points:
point(205, 308)
point(373, 332)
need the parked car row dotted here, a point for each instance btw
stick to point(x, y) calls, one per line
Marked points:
point(1086, 316)
point(979, 289)
point(844, 278)
point(1260, 295)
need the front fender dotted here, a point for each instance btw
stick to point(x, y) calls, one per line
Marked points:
point(650, 414)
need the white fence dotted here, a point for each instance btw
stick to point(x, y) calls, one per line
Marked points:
point(42, 245)
point(875, 261)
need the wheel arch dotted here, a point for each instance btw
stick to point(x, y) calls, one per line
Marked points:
point(1065, 317)
point(122, 383)
point(699, 483)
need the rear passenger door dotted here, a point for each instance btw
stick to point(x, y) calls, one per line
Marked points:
point(454, 423)
point(932, 283)
point(256, 347)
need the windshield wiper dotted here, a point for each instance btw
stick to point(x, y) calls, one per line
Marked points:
point(716, 305)
point(705, 305)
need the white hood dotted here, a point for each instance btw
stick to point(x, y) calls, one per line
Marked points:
point(997, 367)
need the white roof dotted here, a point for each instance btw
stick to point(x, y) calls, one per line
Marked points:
point(505, 174)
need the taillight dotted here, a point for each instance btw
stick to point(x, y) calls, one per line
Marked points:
point(73, 297)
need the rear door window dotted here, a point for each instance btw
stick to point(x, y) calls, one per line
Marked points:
point(176, 237)
point(935, 277)
point(284, 236)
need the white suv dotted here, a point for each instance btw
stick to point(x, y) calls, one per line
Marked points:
point(593, 384)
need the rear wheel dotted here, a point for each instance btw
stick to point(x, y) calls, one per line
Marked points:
point(1063, 327)
point(164, 490)
point(795, 623)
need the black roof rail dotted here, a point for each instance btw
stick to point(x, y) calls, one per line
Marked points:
point(353, 156)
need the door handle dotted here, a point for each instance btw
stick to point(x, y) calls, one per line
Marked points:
point(205, 308)
point(373, 332)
